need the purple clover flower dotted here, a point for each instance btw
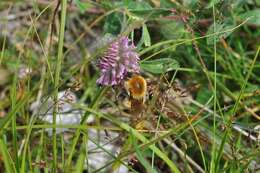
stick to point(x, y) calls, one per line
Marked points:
point(119, 59)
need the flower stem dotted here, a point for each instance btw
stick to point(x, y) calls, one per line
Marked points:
point(57, 78)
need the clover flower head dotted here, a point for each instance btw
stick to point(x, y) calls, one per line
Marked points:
point(119, 59)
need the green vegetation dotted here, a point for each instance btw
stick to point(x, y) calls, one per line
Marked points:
point(201, 110)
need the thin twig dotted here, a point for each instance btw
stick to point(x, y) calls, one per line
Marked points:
point(182, 154)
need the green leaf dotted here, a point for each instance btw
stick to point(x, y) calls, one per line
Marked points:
point(213, 2)
point(19, 105)
point(113, 23)
point(142, 5)
point(167, 4)
point(190, 3)
point(81, 158)
point(83, 6)
point(203, 95)
point(219, 27)
point(140, 155)
point(172, 29)
point(254, 16)
point(9, 164)
point(160, 66)
point(143, 10)
point(146, 36)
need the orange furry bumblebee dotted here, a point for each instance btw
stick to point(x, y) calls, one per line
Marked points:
point(136, 87)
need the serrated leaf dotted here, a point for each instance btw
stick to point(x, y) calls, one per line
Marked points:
point(159, 66)
point(254, 16)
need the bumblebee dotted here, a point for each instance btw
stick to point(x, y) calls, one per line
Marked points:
point(136, 87)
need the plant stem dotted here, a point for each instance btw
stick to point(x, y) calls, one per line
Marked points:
point(57, 78)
